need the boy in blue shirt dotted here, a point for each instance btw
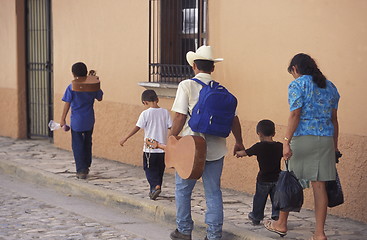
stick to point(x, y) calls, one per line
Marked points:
point(81, 121)
point(269, 154)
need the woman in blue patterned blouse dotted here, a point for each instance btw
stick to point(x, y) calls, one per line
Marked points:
point(311, 137)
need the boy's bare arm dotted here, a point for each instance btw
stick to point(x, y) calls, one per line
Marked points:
point(135, 130)
point(64, 113)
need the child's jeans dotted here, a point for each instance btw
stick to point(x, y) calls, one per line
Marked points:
point(263, 190)
point(154, 168)
point(82, 149)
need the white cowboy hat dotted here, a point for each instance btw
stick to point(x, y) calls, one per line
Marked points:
point(202, 53)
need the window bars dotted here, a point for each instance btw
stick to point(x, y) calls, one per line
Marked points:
point(175, 27)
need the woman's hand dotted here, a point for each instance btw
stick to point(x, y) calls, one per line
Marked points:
point(287, 152)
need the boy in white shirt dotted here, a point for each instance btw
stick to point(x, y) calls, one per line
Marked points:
point(155, 121)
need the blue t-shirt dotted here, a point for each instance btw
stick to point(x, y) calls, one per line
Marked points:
point(317, 105)
point(82, 112)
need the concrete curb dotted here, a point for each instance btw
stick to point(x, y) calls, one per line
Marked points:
point(153, 210)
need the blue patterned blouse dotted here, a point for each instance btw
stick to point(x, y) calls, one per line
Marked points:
point(316, 103)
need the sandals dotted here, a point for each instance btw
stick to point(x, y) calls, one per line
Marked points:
point(313, 238)
point(268, 227)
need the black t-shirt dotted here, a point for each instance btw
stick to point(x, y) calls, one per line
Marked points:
point(269, 155)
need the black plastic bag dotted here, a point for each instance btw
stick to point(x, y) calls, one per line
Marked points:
point(288, 195)
point(334, 192)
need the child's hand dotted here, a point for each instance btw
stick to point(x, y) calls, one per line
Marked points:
point(241, 153)
point(122, 141)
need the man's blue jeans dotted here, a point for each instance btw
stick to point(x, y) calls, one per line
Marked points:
point(263, 190)
point(82, 149)
point(213, 196)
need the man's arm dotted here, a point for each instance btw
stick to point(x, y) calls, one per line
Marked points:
point(178, 122)
point(237, 133)
point(64, 113)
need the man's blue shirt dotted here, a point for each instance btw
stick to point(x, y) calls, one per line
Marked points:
point(82, 112)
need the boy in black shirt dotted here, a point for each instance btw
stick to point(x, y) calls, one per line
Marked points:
point(269, 154)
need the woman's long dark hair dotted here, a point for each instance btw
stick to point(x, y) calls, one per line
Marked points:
point(307, 66)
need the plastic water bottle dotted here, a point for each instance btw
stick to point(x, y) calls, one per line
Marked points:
point(55, 126)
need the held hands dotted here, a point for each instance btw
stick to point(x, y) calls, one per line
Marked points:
point(238, 147)
point(241, 153)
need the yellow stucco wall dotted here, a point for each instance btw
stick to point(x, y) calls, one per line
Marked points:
point(8, 68)
point(110, 37)
point(12, 95)
point(257, 39)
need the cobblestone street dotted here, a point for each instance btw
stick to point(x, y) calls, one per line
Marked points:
point(115, 183)
point(25, 217)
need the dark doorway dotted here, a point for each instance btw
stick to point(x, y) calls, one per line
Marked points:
point(39, 67)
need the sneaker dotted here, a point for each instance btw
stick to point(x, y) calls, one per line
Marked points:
point(155, 193)
point(254, 221)
point(176, 235)
point(82, 174)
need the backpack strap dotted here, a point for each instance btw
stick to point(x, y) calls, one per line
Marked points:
point(212, 83)
point(201, 83)
point(198, 81)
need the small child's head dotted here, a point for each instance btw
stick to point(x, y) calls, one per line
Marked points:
point(149, 96)
point(79, 69)
point(265, 128)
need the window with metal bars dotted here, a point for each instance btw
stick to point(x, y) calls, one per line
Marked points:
point(176, 27)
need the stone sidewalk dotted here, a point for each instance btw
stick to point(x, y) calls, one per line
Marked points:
point(121, 185)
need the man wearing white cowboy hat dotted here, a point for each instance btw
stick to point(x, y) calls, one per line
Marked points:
point(202, 63)
point(202, 53)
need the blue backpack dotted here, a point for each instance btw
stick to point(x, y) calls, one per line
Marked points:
point(214, 112)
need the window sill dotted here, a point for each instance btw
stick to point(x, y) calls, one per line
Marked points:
point(167, 90)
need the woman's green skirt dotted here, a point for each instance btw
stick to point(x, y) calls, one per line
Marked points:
point(313, 158)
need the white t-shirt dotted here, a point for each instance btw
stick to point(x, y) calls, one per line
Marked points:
point(155, 122)
point(186, 98)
